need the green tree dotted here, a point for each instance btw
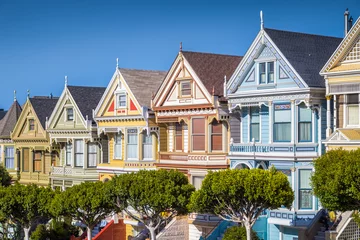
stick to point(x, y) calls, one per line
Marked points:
point(242, 195)
point(25, 204)
point(5, 178)
point(238, 233)
point(86, 202)
point(336, 180)
point(156, 196)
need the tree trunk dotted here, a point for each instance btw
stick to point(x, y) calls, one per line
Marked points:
point(248, 230)
point(89, 234)
point(26, 231)
point(152, 233)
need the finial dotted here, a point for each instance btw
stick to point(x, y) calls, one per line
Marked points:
point(261, 20)
point(213, 90)
point(14, 95)
point(28, 93)
point(66, 81)
point(117, 62)
point(180, 46)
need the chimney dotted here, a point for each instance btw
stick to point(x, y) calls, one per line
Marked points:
point(346, 20)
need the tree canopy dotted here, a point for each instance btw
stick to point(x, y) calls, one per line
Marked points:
point(5, 178)
point(238, 233)
point(154, 195)
point(242, 195)
point(336, 180)
point(87, 202)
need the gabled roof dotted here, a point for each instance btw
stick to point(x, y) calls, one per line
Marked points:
point(8, 122)
point(307, 53)
point(86, 98)
point(2, 113)
point(43, 107)
point(211, 68)
point(143, 83)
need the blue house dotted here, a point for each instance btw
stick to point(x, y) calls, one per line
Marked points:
point(277, 101)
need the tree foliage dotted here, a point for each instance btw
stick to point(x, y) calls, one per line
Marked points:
point(58, 230)
point(238, 233)
point(242, 195)
point(336, 180)
point(155, 196)
point(87, 202)
point(5, 178)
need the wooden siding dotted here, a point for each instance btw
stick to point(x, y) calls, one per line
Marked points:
point(235, 127)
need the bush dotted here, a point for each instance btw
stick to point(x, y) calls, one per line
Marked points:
point(5, 178)
point(40, 233)
point(58, 231)
point(238, 233)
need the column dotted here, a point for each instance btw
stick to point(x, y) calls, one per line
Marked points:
point(335, 114)
point(270, 121)
point(85, 152)
point(292, 121)
point(328, 117)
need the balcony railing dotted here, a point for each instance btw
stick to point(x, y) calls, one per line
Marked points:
point(70, 171)
point(274, 147)
point(34, 177)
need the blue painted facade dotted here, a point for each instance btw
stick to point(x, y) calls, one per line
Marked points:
point(283, 121)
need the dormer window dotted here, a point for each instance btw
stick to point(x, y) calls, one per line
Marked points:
point(121, 100)
point(266, 72)
point(185, 88)
point(31, 125)
point(69, 114)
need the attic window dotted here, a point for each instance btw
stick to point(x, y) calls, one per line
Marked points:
point(266, 72)
point(185, 88)
point(70, 114)
point(31, 125)
point(121, 100)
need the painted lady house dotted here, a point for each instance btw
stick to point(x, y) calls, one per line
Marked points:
point(193, 118)
point(33, 149)
point(73, 135)
point(279, 96)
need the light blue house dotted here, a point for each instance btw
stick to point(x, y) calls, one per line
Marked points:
point(277, 100)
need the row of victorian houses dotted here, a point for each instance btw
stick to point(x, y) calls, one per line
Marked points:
point(291, 97)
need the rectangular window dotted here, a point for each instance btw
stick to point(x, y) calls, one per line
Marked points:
point(122, 100)
point(305, 191)
point(147, 147)
point(178, 137)
point(305, 124)
point(37, 161)
point(185, 89)
point(68, 156)
point(117, 146)
point(79, 153)
point(25, 159)
point(352, 101)
point(198, 134)
point(54, 156)
point(197, 181)
point(9, 157)
point(254, 124)
point(70, 114)
point(92, 154)
point(31, 125)
point(132, 144)
point(282, 123)
point(216, 136)
point(270, 72)
point(262, 73)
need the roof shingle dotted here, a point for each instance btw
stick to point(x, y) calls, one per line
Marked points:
point(8, 122)
point(43, 107)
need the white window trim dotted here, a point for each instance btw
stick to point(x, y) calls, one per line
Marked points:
point(152, 146)
point(66, 113)
point(191, 88)
point(313, 132)
point(83, 152)
point(222, 138)
point(249, 124)
point(266, 61)
point(297, 190)
point(137, 144)
point(345, 114)
point(121, 143)
point(88, 155)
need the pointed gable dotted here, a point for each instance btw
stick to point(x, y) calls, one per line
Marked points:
point(7, 123)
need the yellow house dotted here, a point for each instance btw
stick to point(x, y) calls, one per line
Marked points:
point(7, 153)
point(125, 120)
point(342, 76)
point(32, 143)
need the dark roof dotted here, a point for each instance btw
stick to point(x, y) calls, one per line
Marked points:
point(2, 113)
point(8, 122)
point(143, 83)
point(211, 68)
point(43, 107)
point(307, 53)
point(86, 98)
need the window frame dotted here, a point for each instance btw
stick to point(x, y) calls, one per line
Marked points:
point(78, 153)
point(180, 135)
point(6, 157)
point(348, 105)
point(182, 88)
point(197, 134)
point(216, 134)
point(89, 144)
point(116, 143)
point(251, 123)
point(70, 117)
point(266, 64)
point(302, 105)
point(144, 143)
point(274, 122)
point(304, 189)
point(135, 133)
point(37, 160)
point(118, 100)
point(68, 150)
point(31, 124)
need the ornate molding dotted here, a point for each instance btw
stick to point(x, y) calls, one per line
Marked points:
point(176, 113)
point(258, 99)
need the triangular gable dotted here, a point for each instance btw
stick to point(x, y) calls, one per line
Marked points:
point(169, 92)
point(262, 49)
point(337, 136)
point(21, 129)
point(344, 51)
point(109, 105)
point(58, 118)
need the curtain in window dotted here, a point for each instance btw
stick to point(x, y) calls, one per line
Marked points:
point(117, 146)
point(132, 150)
point(9, 157)
point(282, 123)
point(92, 154)
point(37, 161)
point(305, 194)
point(198, 134)
point(353, 114)
point(262, 73)
point(270, 69)
point(147, 146)
point(304, 131)
point(79, 153)
point(68, 154)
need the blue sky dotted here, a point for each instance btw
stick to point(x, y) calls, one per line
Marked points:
point(42, 41)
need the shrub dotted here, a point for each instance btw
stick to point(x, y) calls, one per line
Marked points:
point(238, 233)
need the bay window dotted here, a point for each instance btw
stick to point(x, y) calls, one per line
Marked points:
point(216, 136)
point(79, 153)
point(305, 191)
point(147, 147)
point(254, 124)
point(117, 146)
point(92, 154)
point(282, 123)
point(352, 101)
point(178, 137)
point(198, 134)
point(132, 144)
point(305, 124)
point(9, 157)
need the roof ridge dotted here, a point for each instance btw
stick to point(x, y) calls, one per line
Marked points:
point(144, 70)
point(85, 86)
point(219, 54)
point(310, 34)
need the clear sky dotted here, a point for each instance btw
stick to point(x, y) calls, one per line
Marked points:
point(42, 41)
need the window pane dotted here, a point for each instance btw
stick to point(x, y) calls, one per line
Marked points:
point(270, 68)
point(282, 115)
point(132, 138)
point(216, 142)
point(178, 137)
point(305, 178)
point(305, 200)
point(132, 148)
point(198, 126)
point(147, 146)
point(352, 98)
point(305, 131)
point(216, 127)
point(9, 157)
point(37, 161)
point(262, 73)
point(92, 154)
point(198, 143)
point(79, 153)
point(254, 115)
point(122, 101)
point(282, 132)
point(197, 182)
point(68, 154)
point(185, 89)
point(117, 147)
point(70, 114)
point(353, 114)
point(255, 131)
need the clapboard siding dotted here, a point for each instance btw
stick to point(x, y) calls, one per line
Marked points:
point(245, 119)
point(264, 118)
point(235, 128)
